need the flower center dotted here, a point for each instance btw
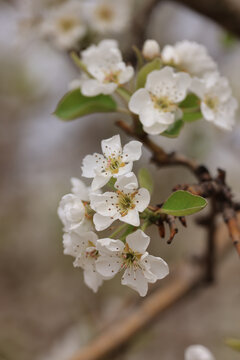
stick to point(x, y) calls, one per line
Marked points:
point(130, 258)
point(211, 102)
point(67, 24)
point(125, 202)
point(112, 77)
point(113, 164)
point(105, 13)
point(93, 253)
point(163, 103)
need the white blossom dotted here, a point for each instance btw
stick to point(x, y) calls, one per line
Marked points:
point(73, 208)
point(198, 352)
point(189, 56)
point(217, 103)
point(114, 162)
point(82, 246)
point(108, 16)
point(64, 24)
point(139, 267)
point(151, 49)
point(104, 63)
point(124, 204)
point(157, 103)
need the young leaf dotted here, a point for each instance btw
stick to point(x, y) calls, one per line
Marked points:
point(182, 203)
point(145, 179)
point(192, 116)
point(74, 105)
point(174, 130)
point(156, 64)
point(234, 344)
point(191, 101)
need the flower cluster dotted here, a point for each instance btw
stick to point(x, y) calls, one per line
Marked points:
point(179, 71)
point(87, 210)
point(69, 22)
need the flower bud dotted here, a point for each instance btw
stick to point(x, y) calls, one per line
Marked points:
point(151, 49)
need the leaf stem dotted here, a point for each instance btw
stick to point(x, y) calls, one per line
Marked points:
point(118, 230)
point(79, 63)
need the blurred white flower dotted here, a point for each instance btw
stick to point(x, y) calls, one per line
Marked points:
point(189, 56)
point(217, 103)
point(82, 245)
point(140, 267)
point(115, 161)
point(124, 204)
point(64, 24)
point(108, 16)
point(198, 352)
point(73, 208)
point(104, 63)
point(151, 49)
point(157, 103)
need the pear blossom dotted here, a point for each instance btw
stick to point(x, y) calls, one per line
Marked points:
point(157, 103)
point(114, 162)
point(198, 352)
point(82, 246)
point(217, 103)
point(108, 16)
point(124, 204)
point(73, 208)
point(151, 49)
point(64, 24)
point(189, 56)
point(139, 267)
point(104, 63)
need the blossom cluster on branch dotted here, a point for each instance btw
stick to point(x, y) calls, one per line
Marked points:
point(168, 89)
point(87, 210)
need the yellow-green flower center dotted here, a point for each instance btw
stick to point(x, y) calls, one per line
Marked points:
point(125, 202)
point(114, 164)
point(163, 103)
point(104, 13)
point(211, 102)
point(67, 24)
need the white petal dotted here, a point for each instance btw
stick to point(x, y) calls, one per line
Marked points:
point(132, 151)
point(108, 246)
point(155, 129)
point(94, 87)
point(150, 116)
point(112, 147)
point(80, 189)
point(198, 352)
point(100, 180)
point(104, 204)
point(127, 168)
point(90, 163)
point(127, 182)
point(158, 266)
point(102, 222)
point(198, 87)
point(126, 74)
point(142, 199)
point(131, 218)
point(108, 266)
point(139, 100)
point(135, 280)
point(138, 241)
point(92, 279)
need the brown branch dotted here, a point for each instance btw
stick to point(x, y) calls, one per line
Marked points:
point(183, 279)
point(231, 220)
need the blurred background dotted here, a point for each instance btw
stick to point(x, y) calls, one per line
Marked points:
point(46, 312)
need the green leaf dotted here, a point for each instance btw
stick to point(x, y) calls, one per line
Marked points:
point(234, 344)
point(191, 101)
point(156, 64)
point(182, 203)
point(192, 116)
point(145, 179)
point(74, 105)
point(174, 130)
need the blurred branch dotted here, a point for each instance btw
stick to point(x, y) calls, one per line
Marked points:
point(184, 278)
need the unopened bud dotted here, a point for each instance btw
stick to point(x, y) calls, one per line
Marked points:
point(151, 49)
